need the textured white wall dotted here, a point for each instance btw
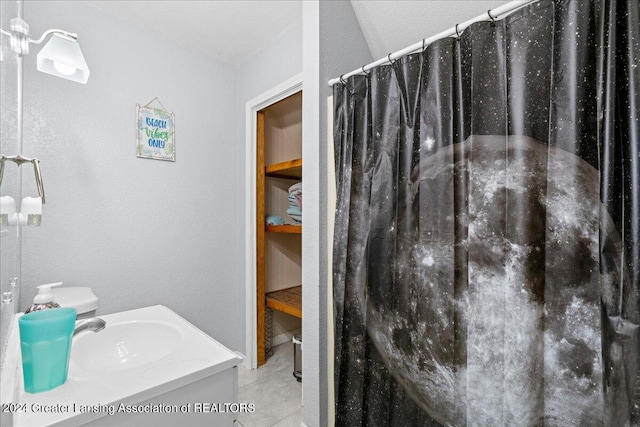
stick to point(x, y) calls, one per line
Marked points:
point(138, 231)
point(381, 20)
point(280, 61)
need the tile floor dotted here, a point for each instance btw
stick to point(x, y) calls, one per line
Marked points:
point(274, 391)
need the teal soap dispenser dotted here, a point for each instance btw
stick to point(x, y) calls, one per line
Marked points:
point(44, 299)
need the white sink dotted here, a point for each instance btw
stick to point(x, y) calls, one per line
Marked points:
point(124, 345)
point(147, 356)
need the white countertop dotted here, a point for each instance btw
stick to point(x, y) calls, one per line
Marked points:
point(198, 356)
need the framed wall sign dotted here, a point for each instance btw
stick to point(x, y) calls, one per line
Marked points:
point(155, 127)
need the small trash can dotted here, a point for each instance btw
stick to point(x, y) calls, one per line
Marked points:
point(297, 357)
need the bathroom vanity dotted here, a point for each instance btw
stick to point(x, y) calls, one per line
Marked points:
point(147, 367)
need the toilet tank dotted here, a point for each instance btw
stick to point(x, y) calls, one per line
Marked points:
point(81, 298)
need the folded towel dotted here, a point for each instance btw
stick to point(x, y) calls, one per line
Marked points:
point(295, 213)
point(295, 200)
point(296, 219)
point(295, 195)
point(295, 187)
point(294, 210)
point(274, 220)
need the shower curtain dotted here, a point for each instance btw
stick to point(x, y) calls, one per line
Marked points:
point(487, 239)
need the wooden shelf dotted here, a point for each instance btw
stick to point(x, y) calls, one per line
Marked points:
point(286, 300)
point(278, 257)
point(291, 169)
point(287, 228)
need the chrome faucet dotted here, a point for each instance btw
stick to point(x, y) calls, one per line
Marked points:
point(94, 324)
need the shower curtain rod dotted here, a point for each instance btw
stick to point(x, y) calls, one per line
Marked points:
point(492, 14)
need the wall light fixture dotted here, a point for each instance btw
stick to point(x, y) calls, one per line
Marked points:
point(61, 56)
point(31, 207)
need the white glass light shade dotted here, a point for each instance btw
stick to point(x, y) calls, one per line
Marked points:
point(30, 211)
point(62, 57)
point(8, 214)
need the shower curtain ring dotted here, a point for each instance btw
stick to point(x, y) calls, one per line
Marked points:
point(491, 17)
point(457, 32)
point(342, 80)
point(389, 59)
point(423, 45)
point(364, 71)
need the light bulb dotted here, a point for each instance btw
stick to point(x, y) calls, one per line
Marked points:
point(65, 69)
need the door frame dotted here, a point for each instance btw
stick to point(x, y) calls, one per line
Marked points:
point(273, 95)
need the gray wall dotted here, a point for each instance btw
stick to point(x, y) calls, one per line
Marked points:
point(138, 231)
point(333, 45)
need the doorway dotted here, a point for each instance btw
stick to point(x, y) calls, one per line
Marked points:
point(261, 102)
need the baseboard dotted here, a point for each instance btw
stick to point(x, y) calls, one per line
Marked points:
point(284, 337)
point(245, 360)
point(276, 340)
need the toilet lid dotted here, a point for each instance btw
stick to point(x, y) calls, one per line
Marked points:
point(81, 298)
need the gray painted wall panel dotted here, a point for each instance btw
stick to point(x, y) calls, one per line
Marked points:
point(333, 44)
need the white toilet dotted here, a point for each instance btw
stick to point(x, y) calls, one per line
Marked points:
point(81, 298)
